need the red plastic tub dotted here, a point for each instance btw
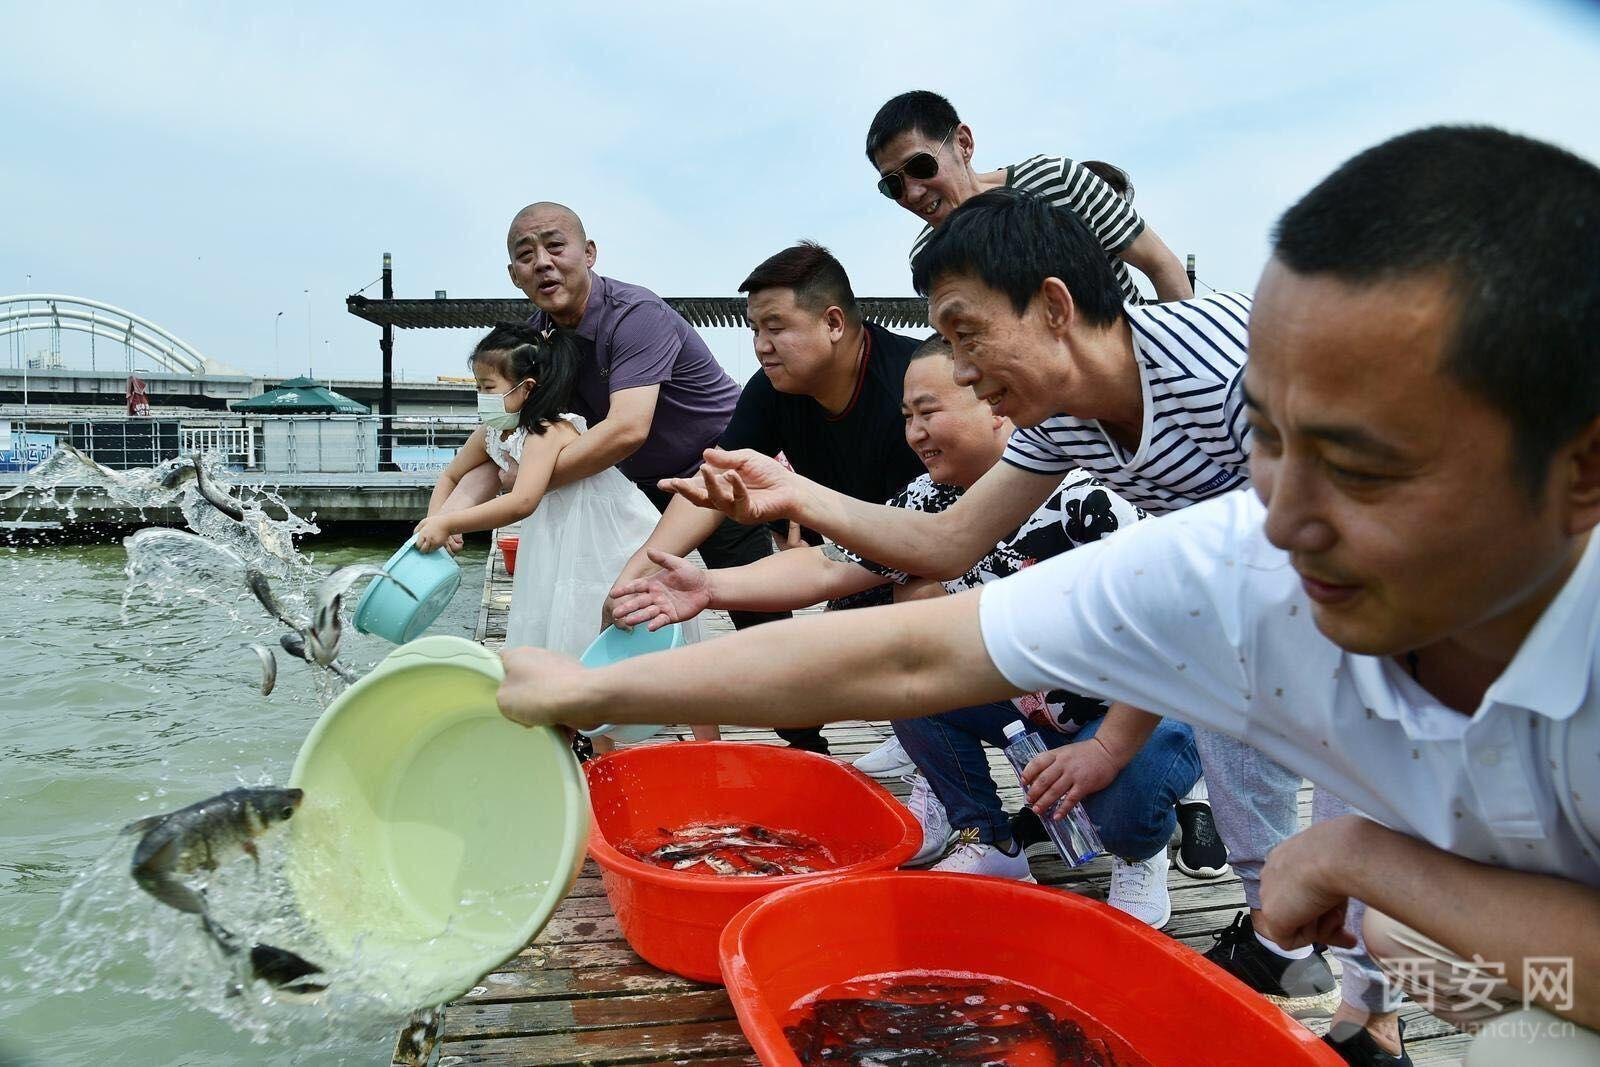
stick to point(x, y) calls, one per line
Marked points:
point(508, 551)
point(674, 918)
point(1167, 1001)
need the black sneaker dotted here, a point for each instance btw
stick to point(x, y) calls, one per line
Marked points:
point(1201, 853)
point(1361, 1049)
point(1297, 986)
point(1026, 829)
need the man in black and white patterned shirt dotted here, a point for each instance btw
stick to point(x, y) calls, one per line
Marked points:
point(923, 154)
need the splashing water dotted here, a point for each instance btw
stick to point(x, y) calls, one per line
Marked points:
point(171, 484)
point(185, 610)
point(109, 722)
point(107, 935)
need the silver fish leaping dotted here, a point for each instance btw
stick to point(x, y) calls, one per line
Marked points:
point(214, 494)
point(322, 637)
point(90, 462)
point(295, 644)
point(262, 588)
point(269, 667)
point(201, 837)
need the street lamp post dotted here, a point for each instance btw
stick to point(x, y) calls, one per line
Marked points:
point(27, 288)
point(277, 361)
point(308, 330)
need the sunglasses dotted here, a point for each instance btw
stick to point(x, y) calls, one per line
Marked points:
point(921, 166)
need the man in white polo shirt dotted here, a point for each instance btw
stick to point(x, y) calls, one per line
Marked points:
point(1147, 399)
point(1407, 614)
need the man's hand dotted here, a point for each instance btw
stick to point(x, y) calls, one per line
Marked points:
point(535, 678)
point(1300, 905)
point(1068, 773)
point(431, 533)
point(747, 486)
point(793, 539)
point(676, 593)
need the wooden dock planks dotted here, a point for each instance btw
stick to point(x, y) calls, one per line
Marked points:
point(579, 996)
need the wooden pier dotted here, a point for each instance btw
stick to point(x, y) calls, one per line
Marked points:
point(579, 996)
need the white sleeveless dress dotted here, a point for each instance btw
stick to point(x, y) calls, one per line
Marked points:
point(571, 550)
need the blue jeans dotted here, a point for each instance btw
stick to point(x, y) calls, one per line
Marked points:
point(1134, 814)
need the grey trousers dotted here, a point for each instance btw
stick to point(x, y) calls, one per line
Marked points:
point(1475, 996)
point(1255, 804)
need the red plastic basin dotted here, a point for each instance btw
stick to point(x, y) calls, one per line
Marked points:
point(1173, 1006)
point(508, 551)
point(674, 918)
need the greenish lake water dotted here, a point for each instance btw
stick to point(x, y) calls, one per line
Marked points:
point(104, 721)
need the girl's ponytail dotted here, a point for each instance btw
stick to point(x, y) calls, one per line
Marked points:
point(555, 374)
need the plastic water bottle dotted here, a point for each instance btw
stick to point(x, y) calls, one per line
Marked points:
point(1074, 836)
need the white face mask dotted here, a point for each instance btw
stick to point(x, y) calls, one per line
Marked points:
point(492, 410)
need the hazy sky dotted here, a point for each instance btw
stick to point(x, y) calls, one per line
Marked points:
point(206, 167)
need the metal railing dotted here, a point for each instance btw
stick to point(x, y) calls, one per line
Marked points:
point(282, 444)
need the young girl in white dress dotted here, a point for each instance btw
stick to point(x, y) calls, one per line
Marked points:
point(574, 539)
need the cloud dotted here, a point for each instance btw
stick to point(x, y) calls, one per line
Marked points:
point(205, 167)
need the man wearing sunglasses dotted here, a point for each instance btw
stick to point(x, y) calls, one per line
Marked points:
point(923, 153)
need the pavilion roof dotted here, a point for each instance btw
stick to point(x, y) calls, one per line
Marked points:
point(700, 311)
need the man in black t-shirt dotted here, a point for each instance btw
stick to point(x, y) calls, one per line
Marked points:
point(827, 397)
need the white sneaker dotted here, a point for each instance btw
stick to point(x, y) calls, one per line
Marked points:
point(971, 856)
point(929, 810)
point(1140, 889)
point(888, 760)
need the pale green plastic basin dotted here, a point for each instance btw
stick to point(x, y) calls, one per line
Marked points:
point(436, 836)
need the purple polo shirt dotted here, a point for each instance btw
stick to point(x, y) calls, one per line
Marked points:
point(631, 338)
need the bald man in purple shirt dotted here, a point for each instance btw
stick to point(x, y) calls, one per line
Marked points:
point(652, 393)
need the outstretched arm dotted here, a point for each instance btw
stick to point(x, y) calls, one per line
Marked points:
point(754, 488)
point(539, 452)
point(890, 662)
point(781, 582)
point(679, 531)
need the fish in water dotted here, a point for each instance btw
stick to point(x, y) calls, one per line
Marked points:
point(318, 641)
point(278, 967)
point(284, 969)
point(733, 850)
point(194, 467)
point(295, 645)
point(89, 462)
point(202, 837)
point(322, 636)
point(262, 588)
point(269, 667)
point(908, 1021)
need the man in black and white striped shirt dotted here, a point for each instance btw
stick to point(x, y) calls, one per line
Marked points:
point(1148, 399)
point(923, 153)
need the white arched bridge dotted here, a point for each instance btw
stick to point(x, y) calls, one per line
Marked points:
point(135, 334)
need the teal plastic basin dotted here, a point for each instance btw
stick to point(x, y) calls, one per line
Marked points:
point(614, 646)
point(386, 611)
point(436, 837)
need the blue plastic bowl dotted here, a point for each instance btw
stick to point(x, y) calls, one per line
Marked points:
point(614, 646)
point(386, 611)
